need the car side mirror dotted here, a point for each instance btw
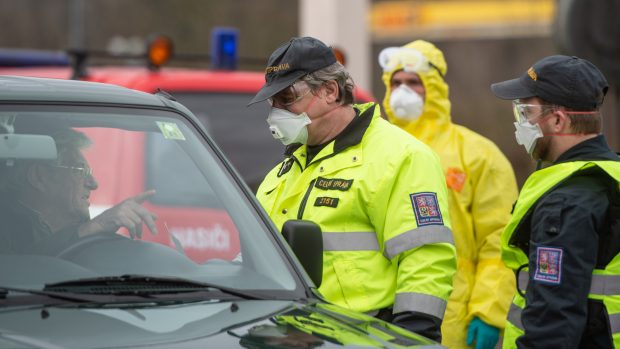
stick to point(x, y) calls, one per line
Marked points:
point(306, 241)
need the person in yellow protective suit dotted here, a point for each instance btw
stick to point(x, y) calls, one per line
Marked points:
point(482, 189)
point(378, 194)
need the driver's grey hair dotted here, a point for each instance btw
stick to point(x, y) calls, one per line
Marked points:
point(13, 176)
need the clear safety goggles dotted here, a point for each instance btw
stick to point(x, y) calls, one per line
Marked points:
point(409, 59)
point(529, 112)
point(290, 95)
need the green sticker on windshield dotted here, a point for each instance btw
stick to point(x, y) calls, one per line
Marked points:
point(170, 130)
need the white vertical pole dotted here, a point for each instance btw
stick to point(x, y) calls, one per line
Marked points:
point(77, 25)
point(341, 23)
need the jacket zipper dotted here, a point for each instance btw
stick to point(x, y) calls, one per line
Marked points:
point(302, 206)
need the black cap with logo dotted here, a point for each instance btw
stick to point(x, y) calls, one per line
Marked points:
point(563, 80)
point(291, 61)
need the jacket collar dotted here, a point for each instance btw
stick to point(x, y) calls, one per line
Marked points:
point(592, 149)
point(352, 134)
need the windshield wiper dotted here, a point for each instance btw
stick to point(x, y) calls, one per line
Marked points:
point(66, 296)
point(141, 285)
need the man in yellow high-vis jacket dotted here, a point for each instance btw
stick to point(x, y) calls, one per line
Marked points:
point(377, 193)
point(417, 100)
point(563, 239)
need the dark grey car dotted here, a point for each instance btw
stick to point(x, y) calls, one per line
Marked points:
point(206, 269)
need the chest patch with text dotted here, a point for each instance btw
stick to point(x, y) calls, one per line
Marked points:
point(333, 184)
point(426, 209)
point(325, 201)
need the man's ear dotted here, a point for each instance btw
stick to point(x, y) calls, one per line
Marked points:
point(561, 120)
point(37, 177)
point(332, 93)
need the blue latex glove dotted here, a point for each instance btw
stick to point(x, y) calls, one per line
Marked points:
point(486, 336)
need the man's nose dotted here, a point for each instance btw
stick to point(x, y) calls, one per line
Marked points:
point(91, 182)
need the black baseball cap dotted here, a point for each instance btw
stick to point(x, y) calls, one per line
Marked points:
point(568, 81)
point(291, 61)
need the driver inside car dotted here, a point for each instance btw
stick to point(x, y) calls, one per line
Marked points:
point(44, 205)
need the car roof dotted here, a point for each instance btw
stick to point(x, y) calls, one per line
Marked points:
point(19, 88)
point(171, 79)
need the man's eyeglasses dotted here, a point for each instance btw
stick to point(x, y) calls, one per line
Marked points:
point(82, 171)
point(527, 112)
point(289, 95)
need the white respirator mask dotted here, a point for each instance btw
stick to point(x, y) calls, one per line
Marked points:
point(288, 127)
point(527, 135)
point(406, 103)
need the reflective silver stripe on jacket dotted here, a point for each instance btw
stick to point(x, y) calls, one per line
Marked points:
point(614, 323)
point(514, 316)
point(420, 302)
point(430, 234)
point(351, 241)
point(604, 285)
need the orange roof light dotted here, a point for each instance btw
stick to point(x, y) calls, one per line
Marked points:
point(340, 56)
point(160, 49)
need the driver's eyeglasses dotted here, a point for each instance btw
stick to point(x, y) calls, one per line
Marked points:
point(527, 112)
point(288, 96)
point(82, 171)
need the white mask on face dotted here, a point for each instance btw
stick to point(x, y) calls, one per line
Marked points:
point(406, 103)
point(288, 127)
point(527, 134)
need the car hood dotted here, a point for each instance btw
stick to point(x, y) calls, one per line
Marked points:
point(239, 324)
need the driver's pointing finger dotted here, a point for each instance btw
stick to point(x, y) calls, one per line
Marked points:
point(140, 198)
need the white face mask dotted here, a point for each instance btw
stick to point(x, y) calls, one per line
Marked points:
point(406, 103)
point(288, 127)
point(527, 134)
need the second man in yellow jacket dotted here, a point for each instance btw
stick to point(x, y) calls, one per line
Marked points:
point(482, 189)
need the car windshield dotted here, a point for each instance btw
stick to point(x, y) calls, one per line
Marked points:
point(95, 192)
point(240, 131)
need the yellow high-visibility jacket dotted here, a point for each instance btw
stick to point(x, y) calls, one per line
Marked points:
point(481, 191)
point(605, 283)
point(380, 198)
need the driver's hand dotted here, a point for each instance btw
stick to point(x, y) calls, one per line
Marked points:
point(129, 213)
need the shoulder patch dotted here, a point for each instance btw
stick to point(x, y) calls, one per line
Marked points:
point(426, 209)
point(548, 265)
point(333, 183)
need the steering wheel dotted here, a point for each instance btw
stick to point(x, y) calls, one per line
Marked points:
point(83, 243)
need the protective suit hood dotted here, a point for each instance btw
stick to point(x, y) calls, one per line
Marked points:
point(436, 115)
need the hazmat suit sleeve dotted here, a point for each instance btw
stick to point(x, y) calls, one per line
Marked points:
point(495, 190)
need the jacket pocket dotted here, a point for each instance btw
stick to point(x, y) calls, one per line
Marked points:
point(351, 280)
point(552, 221)
point(268, 194)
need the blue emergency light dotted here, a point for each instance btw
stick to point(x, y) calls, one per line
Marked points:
point(224, 48)
point(30, 58)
